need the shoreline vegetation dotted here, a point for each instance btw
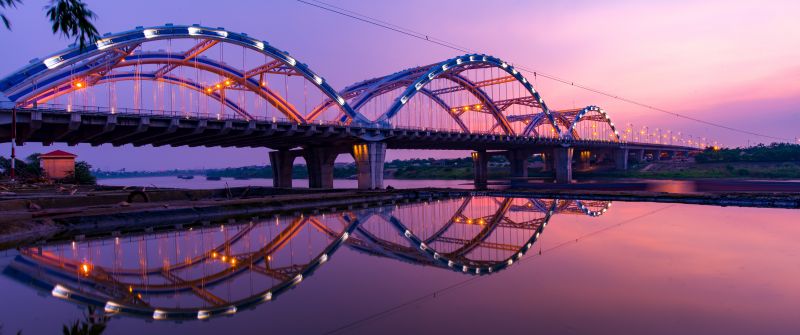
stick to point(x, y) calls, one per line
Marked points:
point(774, 161)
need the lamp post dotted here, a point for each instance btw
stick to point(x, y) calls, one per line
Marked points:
point(13, 144)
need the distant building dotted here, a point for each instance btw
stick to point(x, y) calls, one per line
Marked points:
point(57, 164)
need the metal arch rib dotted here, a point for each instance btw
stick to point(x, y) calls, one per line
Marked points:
point(445, 67)
point(484, 98)
point(64, 88)
point(206, 65)
point(598, 110)
point(485, 232)
point(27, 76)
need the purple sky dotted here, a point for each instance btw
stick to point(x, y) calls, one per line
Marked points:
point(731, 62)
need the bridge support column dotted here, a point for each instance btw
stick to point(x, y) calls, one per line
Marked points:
point(584, 159)
point(480, 167)
point(319, 161)
point(369, 158)
point(282, 162)
point(621, 159)
point(519, 164)
point(547, 161)
point(639, 155)
point(562, 163)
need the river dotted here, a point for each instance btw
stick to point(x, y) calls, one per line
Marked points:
point(467, 265)
point(200, 182)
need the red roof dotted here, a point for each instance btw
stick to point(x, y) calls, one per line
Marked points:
point(57, 153)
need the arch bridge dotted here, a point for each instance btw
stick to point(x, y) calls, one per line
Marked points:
point(221, 269)
point(202, 86)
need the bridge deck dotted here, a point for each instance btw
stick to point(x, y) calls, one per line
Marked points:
point(51, 126)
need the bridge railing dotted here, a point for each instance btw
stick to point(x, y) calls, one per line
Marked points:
point(101, 110)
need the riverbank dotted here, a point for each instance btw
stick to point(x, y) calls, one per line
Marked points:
point(44, 214)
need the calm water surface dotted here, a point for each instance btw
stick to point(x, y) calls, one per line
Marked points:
point(200, 182)
point(464, 265)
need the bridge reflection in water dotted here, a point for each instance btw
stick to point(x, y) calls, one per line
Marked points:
point(214, 270)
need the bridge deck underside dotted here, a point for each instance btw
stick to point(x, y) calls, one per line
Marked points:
point(97, 129)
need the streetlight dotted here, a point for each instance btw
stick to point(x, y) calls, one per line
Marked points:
point(13, 144)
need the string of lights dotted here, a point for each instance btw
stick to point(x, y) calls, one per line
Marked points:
point(428, 38)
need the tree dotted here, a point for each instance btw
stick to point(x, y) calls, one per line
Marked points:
point(82, 174)
point(71, 18)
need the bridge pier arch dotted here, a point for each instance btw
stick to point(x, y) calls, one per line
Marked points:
point(369, 158)
point(319, 161)
point(621, 159)
point(519, 163)
point(480, 168)
point(282, 162)
point(547, 161)
point(584, 159)
point(562, 163)
point(639, 155)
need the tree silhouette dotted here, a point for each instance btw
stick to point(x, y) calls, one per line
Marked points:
point(71, 18)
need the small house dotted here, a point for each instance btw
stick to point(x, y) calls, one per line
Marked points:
point(57, 164)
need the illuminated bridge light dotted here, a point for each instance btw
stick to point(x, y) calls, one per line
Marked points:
point(112, 307)
point(103, 44)
point(202, 315)
point(60, 292)
point(159, 315)
point(152, 33)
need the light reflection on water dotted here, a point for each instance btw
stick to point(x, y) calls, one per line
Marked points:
point(200, 182)
point(229, 269)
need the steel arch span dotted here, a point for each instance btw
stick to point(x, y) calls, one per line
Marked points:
point(195, 283)
point(218, 270)
point(195, 60)
point(206, 73)
point(470, 93)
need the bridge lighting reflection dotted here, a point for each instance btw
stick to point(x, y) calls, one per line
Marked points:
point(507, 229)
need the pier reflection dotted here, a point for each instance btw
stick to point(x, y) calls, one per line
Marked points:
point(210, 270)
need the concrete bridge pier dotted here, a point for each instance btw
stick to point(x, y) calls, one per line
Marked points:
point(584, 159)
point(369, 158)
point(319, 161)
point(621, 159)
point(282, 162)
point(562, 163)
point(519, 163)
point(547, 161)
point(638, 155)
point(480, 167)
